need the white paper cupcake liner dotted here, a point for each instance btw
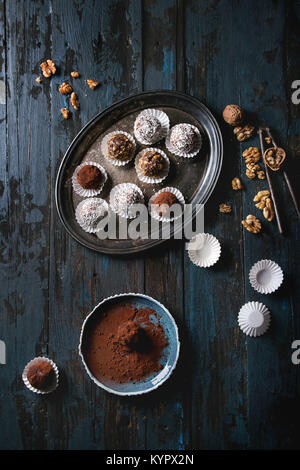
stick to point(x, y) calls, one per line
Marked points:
point(162, 118)
point(153, 212)
point(266, 276)
point(83, 225)
point(183, 154)
point(88, 192)
point(148, 179)
point(36, 390)
point(104, 148)
point(125, 214)
point(254, 319)
point(204, 250)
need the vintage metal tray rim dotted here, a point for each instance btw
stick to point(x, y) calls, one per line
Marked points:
point(77, 139)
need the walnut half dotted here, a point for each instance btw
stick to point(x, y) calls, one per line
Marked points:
point(244, 133)
point(65, 112)
point(48, 68)
point(252, 224)
point(92, 84)
point(236, 184)
point(65, 88)
point(225, 208)
point(74, 100)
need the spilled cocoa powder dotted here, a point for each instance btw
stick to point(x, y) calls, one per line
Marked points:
point(125, 343)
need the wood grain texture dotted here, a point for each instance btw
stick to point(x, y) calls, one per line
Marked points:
point(228, 392)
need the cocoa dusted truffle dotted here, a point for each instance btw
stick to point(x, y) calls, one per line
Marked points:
point(148, 129)
point(233, 114)
point(40, 375)
point(183, 138)
point(151, 163)
point(89, 177)
point(164, 201)
point(119, 147)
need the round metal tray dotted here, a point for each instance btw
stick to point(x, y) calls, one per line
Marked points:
point(195, 178)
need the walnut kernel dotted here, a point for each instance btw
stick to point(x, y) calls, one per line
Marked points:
point(65, 112)
point(236, 184)
point(48, 68)
point(92, 84)
point(74, 100)
point(252, 224)
point(226, 208)
point(261, 175)
point(74, 74)
point(268, 210)
point(65, 88)
point(38, 80)
point(243, 133)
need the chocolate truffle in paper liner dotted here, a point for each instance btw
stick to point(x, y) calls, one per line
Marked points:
point(183, 138)
point(119, 147)
point(151, 163)
point(148, 128)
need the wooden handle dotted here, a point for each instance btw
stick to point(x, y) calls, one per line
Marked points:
point(292, 193)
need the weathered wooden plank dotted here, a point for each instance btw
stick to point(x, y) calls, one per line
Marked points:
point(105, 50)
point(167, 420)
point(213, 296)
point(271, 374)
point(25, 254)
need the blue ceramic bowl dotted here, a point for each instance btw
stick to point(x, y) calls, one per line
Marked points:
point(168, 360)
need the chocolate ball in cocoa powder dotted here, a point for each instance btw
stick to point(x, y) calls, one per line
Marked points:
point(152, 163)
point(233, 114)
point(164, 201)
point(40, 375)
point(119, 147)
point(89, 177)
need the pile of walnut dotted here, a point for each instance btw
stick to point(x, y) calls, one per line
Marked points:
point(252, 156)
point(48, 69)
point(234, 115)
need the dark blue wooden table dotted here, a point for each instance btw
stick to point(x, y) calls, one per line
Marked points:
point(229, 391)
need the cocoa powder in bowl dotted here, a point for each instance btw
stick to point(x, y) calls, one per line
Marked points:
point(124, 343)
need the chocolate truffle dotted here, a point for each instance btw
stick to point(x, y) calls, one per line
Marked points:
point(151, 163)
point(148, 129)
point(164, 201)
point(124, 197)
point(119, 147)
point(183, 138)
point(40, 375)
point(89, 177)
point(233, 114)
point(90, 212)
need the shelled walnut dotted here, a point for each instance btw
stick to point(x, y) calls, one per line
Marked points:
point(252, 224)
point(65, 88)
point(74, 74)
point(74, 101)
point(92, 84)
point(264, 203)
point(251, 155)
point(65, 112)
point(225, 208)
point(48, 68)
point(261, 175)
point(244, 133)
point(236, 184)
point(250, 173)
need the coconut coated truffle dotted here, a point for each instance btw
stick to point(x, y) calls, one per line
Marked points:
point(183, 138)
point(148, 129)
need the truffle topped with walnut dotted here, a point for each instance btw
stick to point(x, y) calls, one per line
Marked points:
point(119, 147)
point(151, 163)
